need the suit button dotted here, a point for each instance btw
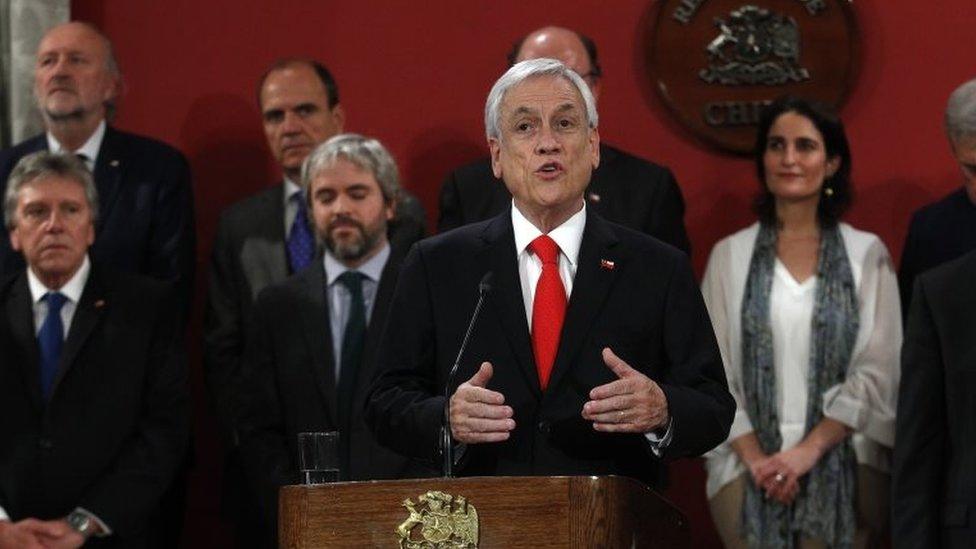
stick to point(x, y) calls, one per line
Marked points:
point(544, 427)
point(45, 444)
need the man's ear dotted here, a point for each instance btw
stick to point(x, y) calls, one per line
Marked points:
point(340, 117)
point(833, 164)
point(595, 144)
point(494, 147)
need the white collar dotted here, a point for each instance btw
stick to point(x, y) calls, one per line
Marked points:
point(89, 149)
point(290, 188)
point(567, 236)
point(72, 288)
point(373, 268)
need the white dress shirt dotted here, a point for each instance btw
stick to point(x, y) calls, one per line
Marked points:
point(340, 298)
point(291, 209)
point(71, 290)
point(89, 149)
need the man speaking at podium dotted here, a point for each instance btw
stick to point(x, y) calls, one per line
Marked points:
point(593, 352)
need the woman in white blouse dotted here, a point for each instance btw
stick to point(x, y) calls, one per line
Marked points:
point(806, 312)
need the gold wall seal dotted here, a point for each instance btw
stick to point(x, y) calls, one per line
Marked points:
point(439, 521)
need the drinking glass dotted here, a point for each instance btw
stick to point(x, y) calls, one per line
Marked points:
point(318, 457)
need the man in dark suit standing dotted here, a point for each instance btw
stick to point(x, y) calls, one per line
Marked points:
point(624, 189)
point(146, 221)
point(933, 479)
point(92, 377)
point(311, 350)
point(593, 353)
point(946, 229)
point(264, 238)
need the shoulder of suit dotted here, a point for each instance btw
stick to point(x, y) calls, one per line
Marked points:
point(640, 244)
point(11, 155)
point(958, 273)
point(140, 145)
point(259, 203)
point(942, 210)
point(616, 159)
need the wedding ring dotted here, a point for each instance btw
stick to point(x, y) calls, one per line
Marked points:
point(779, 477)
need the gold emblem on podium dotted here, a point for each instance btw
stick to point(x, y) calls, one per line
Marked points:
point(439, 521)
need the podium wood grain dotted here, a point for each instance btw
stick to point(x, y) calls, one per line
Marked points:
point(536, 512)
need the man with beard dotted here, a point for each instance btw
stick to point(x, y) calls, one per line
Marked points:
point(266, 237)
point(310, 352)
point(145, 225)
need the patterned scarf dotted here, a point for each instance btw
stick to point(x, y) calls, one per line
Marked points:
point(824, 506)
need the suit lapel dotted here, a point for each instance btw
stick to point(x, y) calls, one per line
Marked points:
point(263, 256)
point(108, 173)
point(596, 273)
point(20, 317)
point(318, 334)
point(377, 322)
point(90, 310)
point(506, 295)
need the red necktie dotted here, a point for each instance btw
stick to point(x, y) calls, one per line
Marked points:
point(548, 308)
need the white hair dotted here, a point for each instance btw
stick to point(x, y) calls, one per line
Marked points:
point(960, 113)
point(525, 70)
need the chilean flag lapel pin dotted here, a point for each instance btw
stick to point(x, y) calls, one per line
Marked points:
point(607, 264)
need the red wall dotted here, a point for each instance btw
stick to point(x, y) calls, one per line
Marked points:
point(415, 75)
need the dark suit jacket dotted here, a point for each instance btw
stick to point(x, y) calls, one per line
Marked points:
point(145, 220)
point(289, 384)
point(624, 189)
point(934, 477)
point(939, 232)
point(116, 426)
point(249, 255)
point(646, 307)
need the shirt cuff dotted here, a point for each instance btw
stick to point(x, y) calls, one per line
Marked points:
point(104, 529)
point(660, 442)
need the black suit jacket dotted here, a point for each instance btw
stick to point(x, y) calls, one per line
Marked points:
point(145, 221)
point(642, 302)
point(934, 476)
point(249, 255)
point(289, 385)
point(116, 426)
point(624, 189)
point(938, 232)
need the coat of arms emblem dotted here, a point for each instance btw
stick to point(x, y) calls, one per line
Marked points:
point(755, 46)
point(439, 521)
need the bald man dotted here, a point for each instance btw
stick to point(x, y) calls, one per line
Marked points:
point(624, 189)
point(146, 222)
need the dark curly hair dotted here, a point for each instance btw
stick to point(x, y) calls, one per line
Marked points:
point(832, 205)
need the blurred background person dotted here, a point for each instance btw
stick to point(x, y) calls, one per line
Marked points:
point(806, 312)
point(946, 229)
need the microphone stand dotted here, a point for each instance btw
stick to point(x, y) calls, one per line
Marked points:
point(447, 441)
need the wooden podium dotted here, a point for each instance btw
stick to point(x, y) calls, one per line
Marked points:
point(512, 512)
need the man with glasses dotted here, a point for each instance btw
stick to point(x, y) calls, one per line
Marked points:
point(624, 189)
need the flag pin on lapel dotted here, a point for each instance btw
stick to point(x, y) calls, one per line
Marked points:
point(114, 163)
point(607, 264)
point(99, 303)
point(594, 197)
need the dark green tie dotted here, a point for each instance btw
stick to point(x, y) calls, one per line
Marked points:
point(353, 341)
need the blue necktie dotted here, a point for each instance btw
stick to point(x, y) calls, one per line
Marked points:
point(50, 340)
point(301, 245)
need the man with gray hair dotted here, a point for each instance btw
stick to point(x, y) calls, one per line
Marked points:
point(946, 229)
point(624, 188)
point(92, 376)
point(146, 224)
point(593, 353)
point(311, 351)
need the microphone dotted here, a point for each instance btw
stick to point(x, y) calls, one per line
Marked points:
point(484, 288)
